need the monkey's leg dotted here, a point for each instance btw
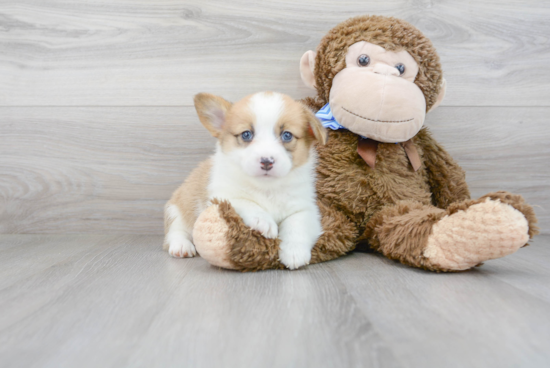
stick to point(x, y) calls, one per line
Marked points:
point(456, 239)
point(221, 237)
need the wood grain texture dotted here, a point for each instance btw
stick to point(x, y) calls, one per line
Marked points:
point(94, 170)
point(111, 169)
point(500, 149)
point(162, 52)
point(113, 301)
point(89, 301)
point(487, 317)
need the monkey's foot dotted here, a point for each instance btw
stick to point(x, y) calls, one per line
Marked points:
point(210, 238)
point(222, 238)
point(483, 231)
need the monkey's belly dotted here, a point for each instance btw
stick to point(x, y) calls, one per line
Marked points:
point(361, 191)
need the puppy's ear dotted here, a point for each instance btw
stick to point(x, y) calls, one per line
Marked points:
point(212, 111)
point(315, 127)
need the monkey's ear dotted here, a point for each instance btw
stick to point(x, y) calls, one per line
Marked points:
point(441, 95)
point(212, 111)
point(315, 126)
point(307, 66)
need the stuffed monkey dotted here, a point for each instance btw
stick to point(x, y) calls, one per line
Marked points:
point(382, 179)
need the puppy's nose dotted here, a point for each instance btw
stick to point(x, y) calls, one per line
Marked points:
point(267, 163)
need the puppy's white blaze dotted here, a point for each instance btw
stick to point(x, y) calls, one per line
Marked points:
point(267, 108)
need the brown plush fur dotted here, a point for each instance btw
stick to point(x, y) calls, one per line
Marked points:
point(339, 235)
point(367, 196)
point(250, 250)
point(392, 207)
point(446, 178)
point(401, 232)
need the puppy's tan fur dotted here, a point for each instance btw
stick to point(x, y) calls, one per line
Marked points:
point(188, 196)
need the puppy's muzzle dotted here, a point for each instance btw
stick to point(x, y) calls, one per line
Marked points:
point(267, 163)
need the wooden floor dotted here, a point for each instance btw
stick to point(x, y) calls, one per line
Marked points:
point(117, 301)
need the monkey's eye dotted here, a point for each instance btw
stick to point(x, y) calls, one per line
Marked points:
point(363, 60)
point(247, 135)
point(286, 136)
point(401, 68)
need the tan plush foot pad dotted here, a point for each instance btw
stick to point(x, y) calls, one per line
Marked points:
point(483, 231)
point(222, 238)
point(210, 238)
point(517, 201)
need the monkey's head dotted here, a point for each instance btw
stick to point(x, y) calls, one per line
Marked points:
point(379, 74)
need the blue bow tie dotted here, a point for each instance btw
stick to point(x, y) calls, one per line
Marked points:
point(327, 119)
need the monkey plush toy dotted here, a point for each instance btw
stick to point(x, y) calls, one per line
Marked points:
point(382, 179)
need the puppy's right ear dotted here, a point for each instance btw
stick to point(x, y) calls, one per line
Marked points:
point(315, 126)
point(212, 111)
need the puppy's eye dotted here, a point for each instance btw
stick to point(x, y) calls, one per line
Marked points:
point(286, 136)
point(401, 68)
point(247, 135)
point(363, 60)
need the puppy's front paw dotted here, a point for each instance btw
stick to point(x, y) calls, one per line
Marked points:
point(264, 224)
point(181, 247)
point(295, 257)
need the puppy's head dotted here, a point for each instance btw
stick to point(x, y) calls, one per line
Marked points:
point(267, 134)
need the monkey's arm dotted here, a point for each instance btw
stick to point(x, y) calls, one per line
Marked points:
point(222, 238)
point(446, 178)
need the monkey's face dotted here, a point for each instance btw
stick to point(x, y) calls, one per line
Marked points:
point(375, 95)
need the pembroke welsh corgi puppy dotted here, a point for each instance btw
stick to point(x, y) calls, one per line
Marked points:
point(264, 165)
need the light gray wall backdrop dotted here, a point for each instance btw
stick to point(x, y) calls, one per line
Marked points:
point(97, 126)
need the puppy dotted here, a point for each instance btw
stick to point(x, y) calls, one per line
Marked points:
point(264, 165)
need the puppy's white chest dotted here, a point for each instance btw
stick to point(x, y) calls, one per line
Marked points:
point(279, 205)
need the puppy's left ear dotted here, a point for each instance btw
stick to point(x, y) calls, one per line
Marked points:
point(315, 127)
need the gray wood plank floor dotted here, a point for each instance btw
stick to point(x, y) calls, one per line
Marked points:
point(114, 301)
